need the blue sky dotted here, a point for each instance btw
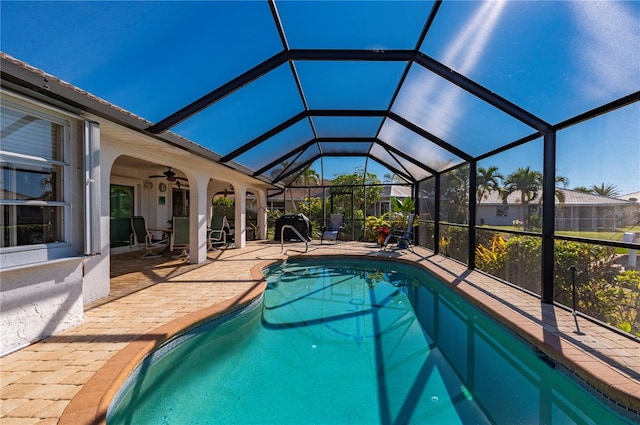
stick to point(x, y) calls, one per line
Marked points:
point(555, 59)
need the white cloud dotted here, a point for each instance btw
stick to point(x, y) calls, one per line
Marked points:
point(425, 100)
point(608, 47)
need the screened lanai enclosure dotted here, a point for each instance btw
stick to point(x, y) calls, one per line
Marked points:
point(514, 125)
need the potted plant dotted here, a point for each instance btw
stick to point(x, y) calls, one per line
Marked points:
point(379, 226)
point(382, 232)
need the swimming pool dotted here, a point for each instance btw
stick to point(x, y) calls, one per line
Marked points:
point(339, 341)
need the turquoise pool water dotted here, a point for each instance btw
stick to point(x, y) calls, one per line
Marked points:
point(338, 341)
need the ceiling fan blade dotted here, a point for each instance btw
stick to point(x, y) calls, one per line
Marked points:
point(170, 175)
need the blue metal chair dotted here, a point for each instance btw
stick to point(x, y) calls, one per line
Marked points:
point(403, 238)
point(336, 225)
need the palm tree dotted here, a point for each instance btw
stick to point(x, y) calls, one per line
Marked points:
point(308, 176)
point(565, 182)
point(528, 183)
point(488, 180)
point(391, 178)
point(609, 190)
point(455, 189)
point(582, 189)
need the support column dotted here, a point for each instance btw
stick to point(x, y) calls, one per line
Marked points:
point(198, 218)
point(240, 215)
point(263, 219)
point(473, 184)
point(548, 215)
point(436, 219)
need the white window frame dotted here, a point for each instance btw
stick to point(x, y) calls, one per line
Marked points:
point(15, 255)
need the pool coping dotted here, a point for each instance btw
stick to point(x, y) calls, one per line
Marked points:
point(91, 403)
point(619, 391)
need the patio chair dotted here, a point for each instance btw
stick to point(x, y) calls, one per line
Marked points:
point(230, 230)
point(403, 238)
point(336, 225)
point(141, 234)
point(181, 236)
point(217, 234)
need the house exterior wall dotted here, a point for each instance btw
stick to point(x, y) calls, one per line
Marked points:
point(40, 300)
point(96, 279)
point(604, 214)
point(41, 289)
point(498, 215)
point(45, 286)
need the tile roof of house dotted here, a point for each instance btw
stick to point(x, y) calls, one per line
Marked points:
point(395, 191)
point(571, 197)
point(635, 196)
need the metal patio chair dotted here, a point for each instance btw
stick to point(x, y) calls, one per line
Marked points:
point(217, 233)
point(181, 236)
point(332, 232)
point(141, 235)
point(403, 238)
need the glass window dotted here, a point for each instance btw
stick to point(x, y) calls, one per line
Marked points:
point(399, 164)
point(334, 166)
point(454, 196)
point(278, 146)
point(514, 258)
point(293, 164)
point(509, 189)
point(158, 56)
point(353, 24)
point(32, 197)
point(600, 161)
point(606, 282)
point(556, 59)
point(454, 241)
point(246, 113)
point(121, 206)
point(345, 147)
point(454, 115)
point(454, 213)
point(426, 212)
point(417, 146)
point(349, 84)
point(347, 126)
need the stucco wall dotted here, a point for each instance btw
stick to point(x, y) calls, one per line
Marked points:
point(486, 214)
point(96, 278)
point(37, 301)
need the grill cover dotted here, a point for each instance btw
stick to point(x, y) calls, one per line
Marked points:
point(300, 222)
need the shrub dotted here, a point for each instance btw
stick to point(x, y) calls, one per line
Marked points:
point(492, 259)
point(602, 291)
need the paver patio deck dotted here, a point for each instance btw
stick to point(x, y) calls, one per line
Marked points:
point(39, 382)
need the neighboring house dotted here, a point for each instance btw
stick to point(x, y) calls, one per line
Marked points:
point(578, 211)
point(287, 200)
point(74, 169)
point(383, 205)
point(635, 197)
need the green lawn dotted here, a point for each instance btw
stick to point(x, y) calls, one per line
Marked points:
point(607, 236)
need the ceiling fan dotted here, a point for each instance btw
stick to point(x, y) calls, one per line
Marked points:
point(170, 175)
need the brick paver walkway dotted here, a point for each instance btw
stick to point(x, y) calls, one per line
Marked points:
point(38, 382)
